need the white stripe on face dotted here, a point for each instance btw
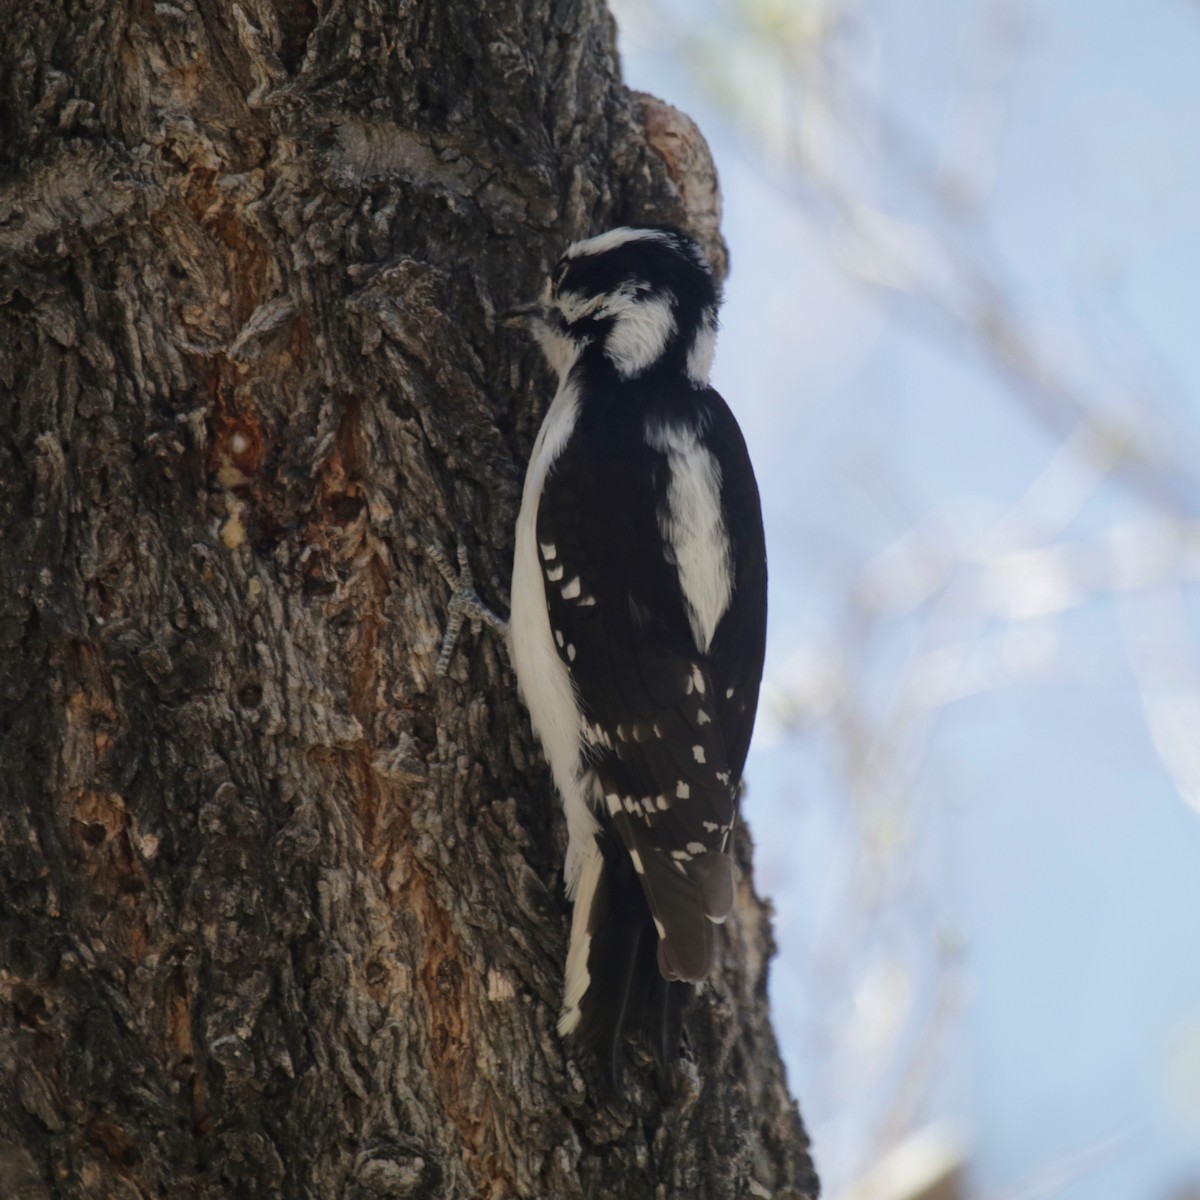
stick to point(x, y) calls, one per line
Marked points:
point(621, 236)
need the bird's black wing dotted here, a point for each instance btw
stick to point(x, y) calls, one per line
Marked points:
point(667, 722)
point(738, 647)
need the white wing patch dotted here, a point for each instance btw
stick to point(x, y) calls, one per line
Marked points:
point(693, 523)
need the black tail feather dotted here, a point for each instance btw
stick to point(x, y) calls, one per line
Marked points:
point(626, 993)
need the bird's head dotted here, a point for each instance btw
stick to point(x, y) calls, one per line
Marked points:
point(643, 299)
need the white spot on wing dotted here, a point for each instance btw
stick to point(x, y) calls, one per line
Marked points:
point(596, 736)
point(637, 862)
point(571, 651)
point(698, 753)
point(571, 590)
point(554, 574)
point(549, 550)
point(683, 791)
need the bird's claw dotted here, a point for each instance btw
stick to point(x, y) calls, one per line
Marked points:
point(464, 605)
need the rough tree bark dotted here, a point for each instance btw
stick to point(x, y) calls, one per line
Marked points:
point(280, 911)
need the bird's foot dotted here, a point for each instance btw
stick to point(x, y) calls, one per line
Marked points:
point(465, 604)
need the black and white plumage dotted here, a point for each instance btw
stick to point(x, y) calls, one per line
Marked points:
point(638, 622)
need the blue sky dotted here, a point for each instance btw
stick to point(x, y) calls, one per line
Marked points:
point(1031, 840)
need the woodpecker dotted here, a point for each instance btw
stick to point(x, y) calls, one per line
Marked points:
point(638, 627)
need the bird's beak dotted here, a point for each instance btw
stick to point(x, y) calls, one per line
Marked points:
point(521, 313)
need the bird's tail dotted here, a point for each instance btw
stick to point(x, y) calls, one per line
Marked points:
point(613, 983)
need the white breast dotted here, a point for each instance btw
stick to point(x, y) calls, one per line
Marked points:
point(543, 677)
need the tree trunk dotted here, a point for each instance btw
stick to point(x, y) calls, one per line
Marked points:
point(280, 911)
